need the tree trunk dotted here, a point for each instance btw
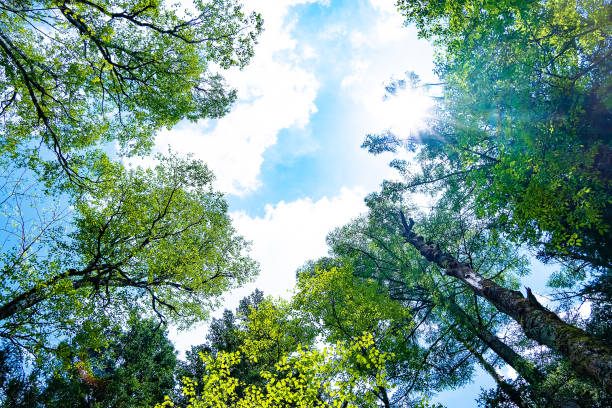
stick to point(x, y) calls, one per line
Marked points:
point(509, 390)
point(522, 366)
point(587, 354)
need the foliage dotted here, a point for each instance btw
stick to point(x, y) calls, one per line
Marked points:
point(155, 242)
point(342, 306)
point(450, 324)
point(128, 368)
point(523, 130)
point(227, 334)
point(18, 387)
point(86, 243)
point(134, 369)
point(561, 382)
point(306, 378)
point(79, 73)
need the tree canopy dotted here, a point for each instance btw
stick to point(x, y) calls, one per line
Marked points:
point(520, 141)
point(157, 242)
point(98, 258)
point(79, 73)
point(85, 238)
point(522, 129)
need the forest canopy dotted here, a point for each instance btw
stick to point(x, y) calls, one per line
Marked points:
point(90, 244)
point(101, 259)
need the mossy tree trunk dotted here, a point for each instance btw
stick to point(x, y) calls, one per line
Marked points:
point(587, 354)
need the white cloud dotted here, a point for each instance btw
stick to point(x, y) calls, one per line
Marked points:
point(585, 310)
point(385, 5)
point(509, 372)
point(291, 233)
point(275, 94)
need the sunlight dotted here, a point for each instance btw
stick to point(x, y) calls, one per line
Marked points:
point(406, 112)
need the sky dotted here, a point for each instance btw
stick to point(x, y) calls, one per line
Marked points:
point(288, 154)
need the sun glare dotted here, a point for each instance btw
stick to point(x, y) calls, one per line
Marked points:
point(405, 113)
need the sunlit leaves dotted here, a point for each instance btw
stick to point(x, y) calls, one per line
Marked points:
point(331, 377)
point(524, 123)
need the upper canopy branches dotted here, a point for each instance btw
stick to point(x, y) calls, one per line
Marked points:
point(76, 73)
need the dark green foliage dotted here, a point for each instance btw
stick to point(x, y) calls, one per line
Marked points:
point(224, 336)
point(565, 388)
point(130, 368)
point(18, 388)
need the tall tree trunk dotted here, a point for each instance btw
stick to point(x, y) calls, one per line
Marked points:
point(509, 390)
point(523, 367)
point(587, 354)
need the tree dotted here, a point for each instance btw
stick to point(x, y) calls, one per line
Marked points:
point(18, 387)
point(83, 72)
point(588, 355)
point(257, 357)
point(278, 347)
point(523, 127)
point(154, 242)
point(226, 334)
point(308, 378)
point(521, 137)
point(375, 250)
point(133, 367)
point(343, 306)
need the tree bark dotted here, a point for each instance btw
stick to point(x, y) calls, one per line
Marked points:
point(587, 354)
point(509, 390)
point(523, 367)
point(33, 296)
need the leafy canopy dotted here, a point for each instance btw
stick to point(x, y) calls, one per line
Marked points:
point(157, 242)
point(79, 73)
point(294, 372)
point(523, 127)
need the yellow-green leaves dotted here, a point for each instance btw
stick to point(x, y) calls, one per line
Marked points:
point(305, 378)
point(343, 304)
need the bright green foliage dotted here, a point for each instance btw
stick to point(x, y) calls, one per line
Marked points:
point(77, 73)
point(347, 307)
point(275, 363)
point(272, 330)
point(157, 242)
point(342, 306)
point(523, 129)
point(306, 378)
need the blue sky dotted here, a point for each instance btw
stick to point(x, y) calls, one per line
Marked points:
point(288, 155)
